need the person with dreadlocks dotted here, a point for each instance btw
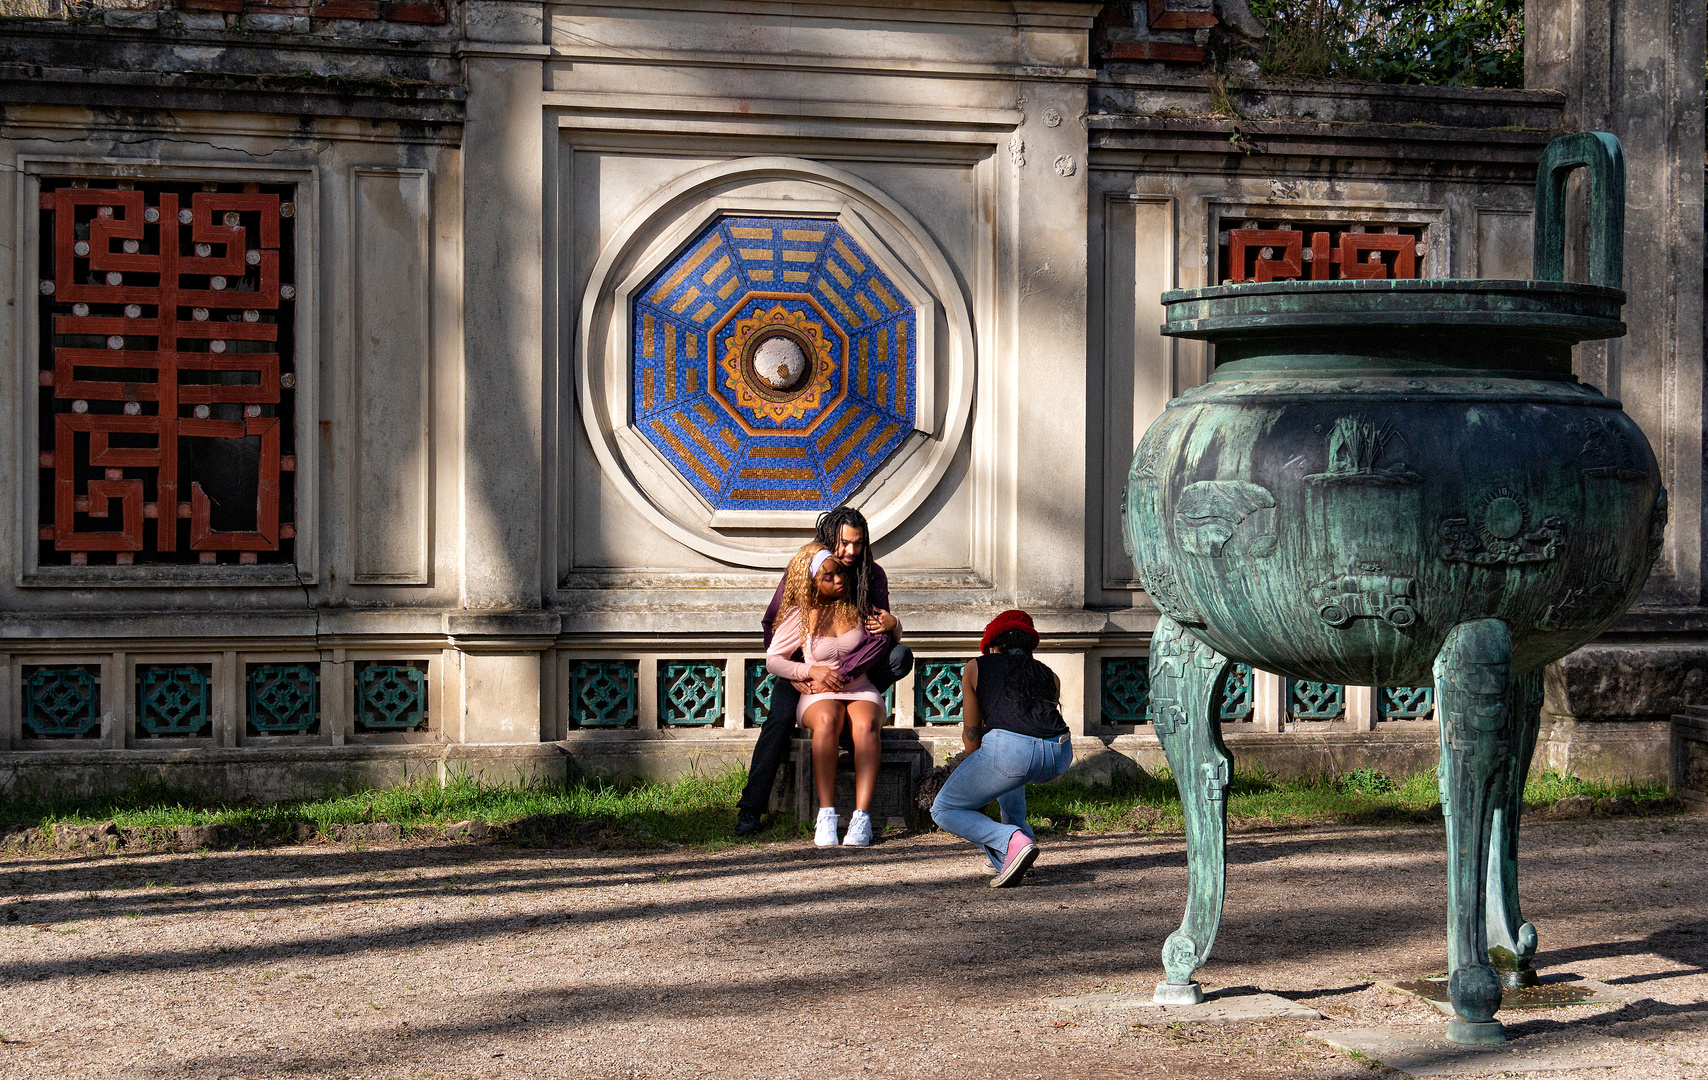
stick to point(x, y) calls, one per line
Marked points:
point(821, 623)
point(1014, 735)
point(881, 657)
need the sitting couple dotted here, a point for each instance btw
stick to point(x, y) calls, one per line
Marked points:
point(834, 646)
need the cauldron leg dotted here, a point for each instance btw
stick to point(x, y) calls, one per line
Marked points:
point(1512, 941)
point(1185, 674)
point(1472, 692)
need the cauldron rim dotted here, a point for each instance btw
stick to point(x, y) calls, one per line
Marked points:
point(1394, 285)
point(1564, 310)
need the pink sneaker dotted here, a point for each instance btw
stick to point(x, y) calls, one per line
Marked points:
point(1022, 852)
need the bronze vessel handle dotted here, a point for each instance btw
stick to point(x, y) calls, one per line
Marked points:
point(1602, 155)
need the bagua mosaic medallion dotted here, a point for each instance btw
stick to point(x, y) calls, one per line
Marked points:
point(773, 363)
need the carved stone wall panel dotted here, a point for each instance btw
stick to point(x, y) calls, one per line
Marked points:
point(1503, 243)
point(1139, 252)
point(392, 349)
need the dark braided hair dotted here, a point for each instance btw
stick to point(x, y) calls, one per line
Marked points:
point(829, 529)
point(1030, 680)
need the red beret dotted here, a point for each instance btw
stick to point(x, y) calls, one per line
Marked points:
point(1013, 619)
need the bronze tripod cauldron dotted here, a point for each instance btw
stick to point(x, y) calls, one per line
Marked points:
point(1386, 483)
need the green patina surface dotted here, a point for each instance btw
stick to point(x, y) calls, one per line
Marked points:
point(1388, 483)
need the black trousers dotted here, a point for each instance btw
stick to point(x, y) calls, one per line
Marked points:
point(773, 744)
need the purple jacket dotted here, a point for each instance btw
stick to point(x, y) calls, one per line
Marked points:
point(876, 645)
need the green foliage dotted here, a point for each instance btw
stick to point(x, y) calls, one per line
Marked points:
point(1550, 787)
point(1365, 781)
point(1430, 42)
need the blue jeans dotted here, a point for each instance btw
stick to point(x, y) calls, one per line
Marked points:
point(999, 769)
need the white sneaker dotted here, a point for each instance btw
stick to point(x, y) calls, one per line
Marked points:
point(859, 830)
point(825, 833)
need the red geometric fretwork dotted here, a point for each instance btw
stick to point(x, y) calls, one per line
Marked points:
point(1283, 251)
point(167, 383)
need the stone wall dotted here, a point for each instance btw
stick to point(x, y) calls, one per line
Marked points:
point(505, 534)
point(1624, 67)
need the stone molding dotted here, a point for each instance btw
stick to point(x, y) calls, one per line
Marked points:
point(237, 69)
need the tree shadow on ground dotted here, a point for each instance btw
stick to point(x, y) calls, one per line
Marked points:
point(1682, 943)
point(1083, 875)
point(1663, 1017)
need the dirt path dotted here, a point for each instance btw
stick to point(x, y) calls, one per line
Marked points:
point(783, 961)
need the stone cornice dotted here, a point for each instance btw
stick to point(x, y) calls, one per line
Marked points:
point(56, 63)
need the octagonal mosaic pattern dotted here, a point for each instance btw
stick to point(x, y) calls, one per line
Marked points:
point(773, 363)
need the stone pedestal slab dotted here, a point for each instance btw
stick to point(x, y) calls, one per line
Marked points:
point(1218, 1009)
point(1428, 1053)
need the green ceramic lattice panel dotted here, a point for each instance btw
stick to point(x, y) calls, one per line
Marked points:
point(172, 700)
point(1126, 689)
point(604, 693)
point(283, 699)
point(760, 683)
point(1237, 694)
point(62, 702)
point(937, 691)
point(1315, 700)
point(1406, 702)
point(391, 697)
point(690, 693)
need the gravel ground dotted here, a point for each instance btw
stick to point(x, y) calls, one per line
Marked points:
point(784, 961)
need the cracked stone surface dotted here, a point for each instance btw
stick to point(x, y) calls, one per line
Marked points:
point(781, 960)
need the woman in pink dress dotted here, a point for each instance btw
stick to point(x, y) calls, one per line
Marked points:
point(819, 618)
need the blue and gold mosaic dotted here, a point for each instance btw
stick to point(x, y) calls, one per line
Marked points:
point(774, 364)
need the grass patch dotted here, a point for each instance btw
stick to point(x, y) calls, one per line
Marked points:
point(1364, 796)
point(700, 810)
point(693, 810)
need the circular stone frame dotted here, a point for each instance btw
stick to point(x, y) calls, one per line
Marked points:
point(655, 233)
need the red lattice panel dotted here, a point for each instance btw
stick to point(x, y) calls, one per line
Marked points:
point(167, 382)
point(1281, 251)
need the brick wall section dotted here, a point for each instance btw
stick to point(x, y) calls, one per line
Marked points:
point(1220, 37)
point(1170, 32)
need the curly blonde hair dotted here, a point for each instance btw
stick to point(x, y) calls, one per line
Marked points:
point(817, 618)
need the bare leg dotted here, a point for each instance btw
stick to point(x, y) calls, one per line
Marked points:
point(864, 718)
point(825, 718)
point(1185, 673)
point(1473, 693)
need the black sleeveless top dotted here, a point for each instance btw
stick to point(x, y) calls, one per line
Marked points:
point(1005, 709)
